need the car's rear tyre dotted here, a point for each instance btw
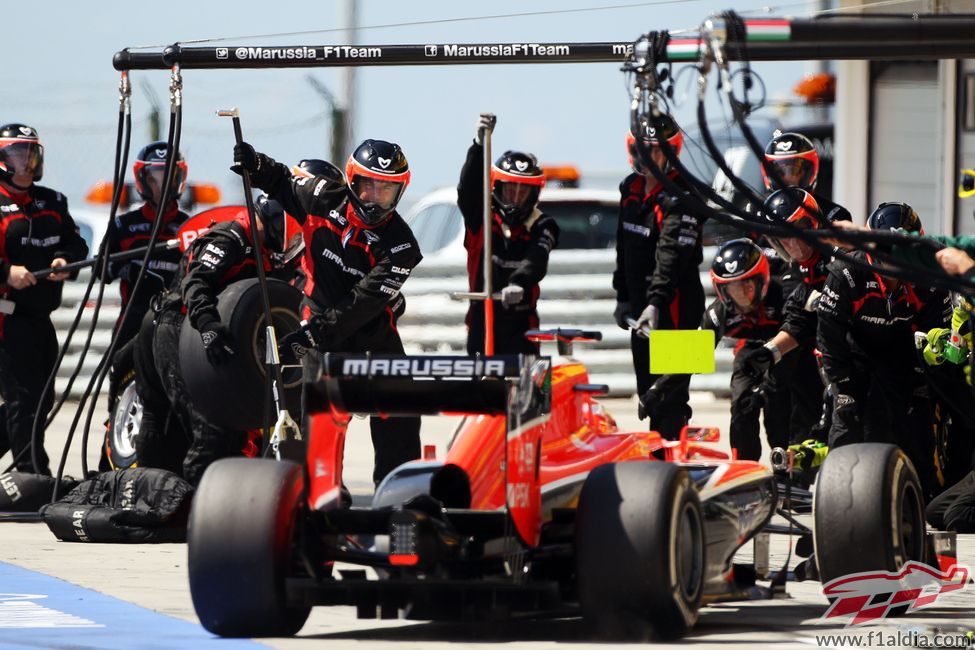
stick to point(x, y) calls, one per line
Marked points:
point(242, 535)
point(868, 511)
point(640, 553)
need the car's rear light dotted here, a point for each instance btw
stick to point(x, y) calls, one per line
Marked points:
point(403, 529)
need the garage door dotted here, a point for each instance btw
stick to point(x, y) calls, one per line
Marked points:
point(905, 127)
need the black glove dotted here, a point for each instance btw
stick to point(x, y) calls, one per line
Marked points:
point(758, 360)
point(217, 341)
point(649, 401)
point(621, 313)
point(752, 399)
point(246, 158)
point(296, 344)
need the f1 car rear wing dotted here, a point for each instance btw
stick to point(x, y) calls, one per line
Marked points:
point(419, 385)
point(517, 388)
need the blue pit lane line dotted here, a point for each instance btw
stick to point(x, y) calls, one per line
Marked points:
point(38, 611)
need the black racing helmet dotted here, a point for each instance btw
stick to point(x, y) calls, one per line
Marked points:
point(271, 214)
point(652, 131)
point(795, 206)
point(282, 234)
point(795, 158)
point(895, 216)
point(738, 260)
point(792, 205)
point(309, 167)
point(516, 182)
point(378, 168)
point(151, 160)
point(21, 151)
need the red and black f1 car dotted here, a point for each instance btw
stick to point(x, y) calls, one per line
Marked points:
point(541, 505)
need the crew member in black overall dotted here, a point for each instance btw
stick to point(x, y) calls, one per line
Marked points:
point(658, 252)
point(797, 337)
point(132, 230)
point(36, 232)
point(358, 254)
point(749, 309)
point(796, 162)
point(215, 260)
point(521, 238)
point(866, 331)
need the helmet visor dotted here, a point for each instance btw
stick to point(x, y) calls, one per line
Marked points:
point(743, 293)
point(375, 191)
point(22, 158)
point(153, 176)
point(797, 249)
point(794, 172)
point(521, 195)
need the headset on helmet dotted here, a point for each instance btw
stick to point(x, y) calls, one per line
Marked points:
point(738, 260)
point(152, 158)
point(651, 136)
point(894, 216)
point(20, 151)
point(796, 159)
point(795, 206)
point(516, 181)
point(376, 166)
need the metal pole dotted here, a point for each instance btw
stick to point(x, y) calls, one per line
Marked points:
point(272, 361)
point(114, 257)
point(337, 139)
point(923, 36)
point(488, 245)
point(344, 129)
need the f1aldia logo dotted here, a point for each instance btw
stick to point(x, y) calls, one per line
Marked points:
point(868, 597)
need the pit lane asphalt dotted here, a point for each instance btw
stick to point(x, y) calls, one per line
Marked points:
point(153, 577)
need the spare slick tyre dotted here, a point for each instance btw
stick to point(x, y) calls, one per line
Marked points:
point(232, 394)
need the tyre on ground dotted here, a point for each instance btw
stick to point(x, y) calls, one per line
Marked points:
point(243, 534)
point(868, 511)
point(640, 552)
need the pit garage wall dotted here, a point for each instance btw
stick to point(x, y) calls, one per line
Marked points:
point(964, 208)
point(898, 135)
